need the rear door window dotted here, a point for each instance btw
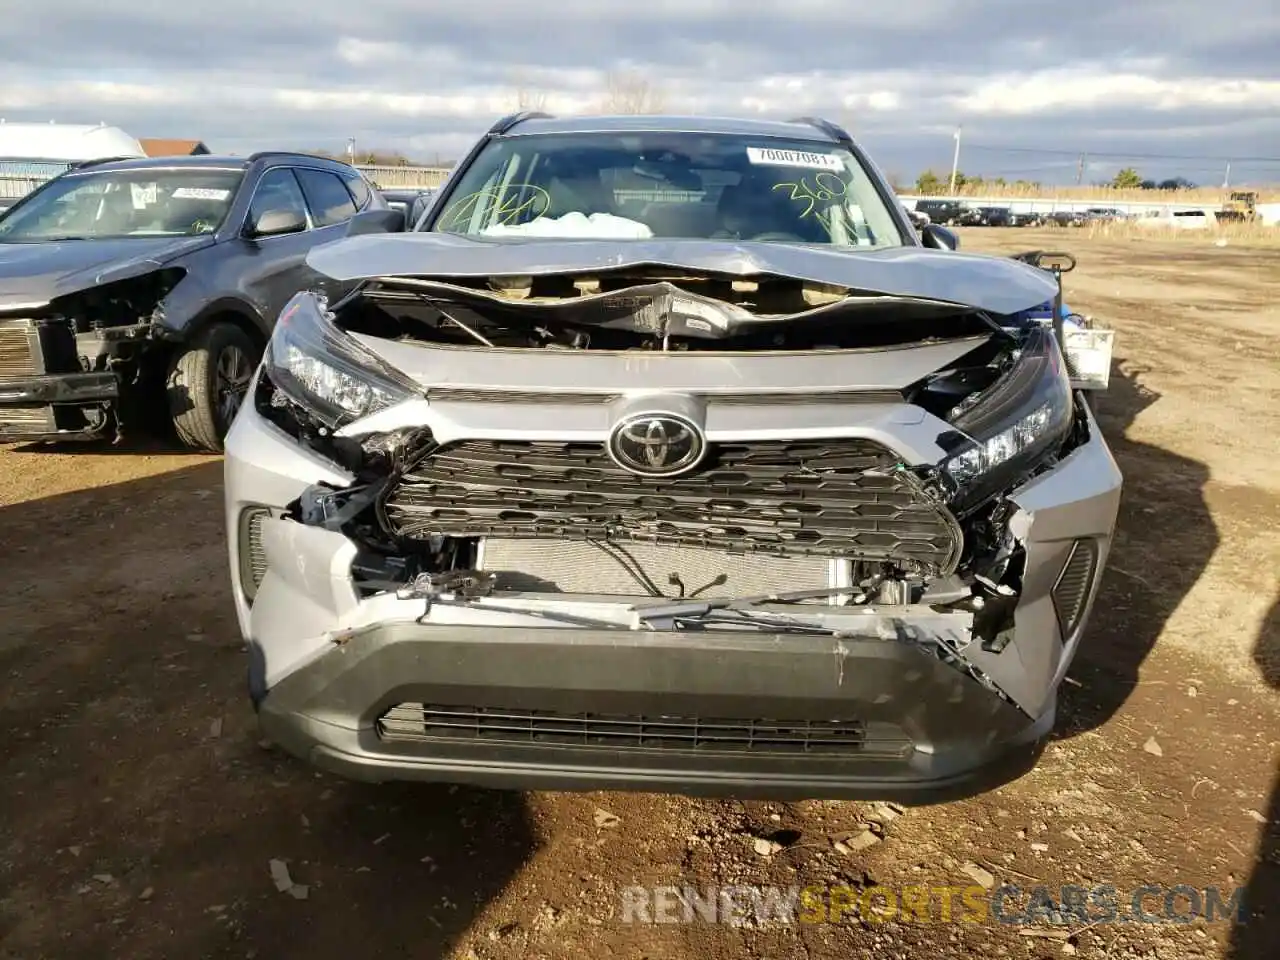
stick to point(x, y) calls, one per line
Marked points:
point(327, 196)
point(358, 186)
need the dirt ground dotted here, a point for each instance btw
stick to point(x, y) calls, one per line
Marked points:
point(139, 808)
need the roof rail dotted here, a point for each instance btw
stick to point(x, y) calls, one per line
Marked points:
point(506, 123)
point(80, 164)
point(263, 154)
point(832, 130)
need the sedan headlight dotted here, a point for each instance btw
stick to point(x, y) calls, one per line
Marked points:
point(327, 373)
point(1012, 424)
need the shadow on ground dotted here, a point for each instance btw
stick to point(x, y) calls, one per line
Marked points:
point(1164, 539)
point(1258, 937)
point(140, 810)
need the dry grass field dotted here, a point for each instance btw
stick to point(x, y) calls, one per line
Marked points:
point(1250, 235)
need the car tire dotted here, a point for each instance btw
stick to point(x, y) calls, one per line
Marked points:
point(208, 379)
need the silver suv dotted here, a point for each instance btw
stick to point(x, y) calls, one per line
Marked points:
point(665, 454)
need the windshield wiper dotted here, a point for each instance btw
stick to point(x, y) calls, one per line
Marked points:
point(772, 623)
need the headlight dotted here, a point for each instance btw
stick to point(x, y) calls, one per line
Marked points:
point(326, 372)
point(1011, 425)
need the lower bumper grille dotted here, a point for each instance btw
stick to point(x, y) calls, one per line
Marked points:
point(28, 419)
point(417, 722)
point(19, 349)
point(827, 498)
point(253, 556)
point(1071, 592)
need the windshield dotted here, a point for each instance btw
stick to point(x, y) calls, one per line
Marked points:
point(124, 203)
point(669, 186)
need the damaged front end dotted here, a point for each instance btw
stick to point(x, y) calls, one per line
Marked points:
point(66, 363)
point(667, 451)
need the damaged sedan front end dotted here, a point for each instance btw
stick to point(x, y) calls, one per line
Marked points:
point(692, 516)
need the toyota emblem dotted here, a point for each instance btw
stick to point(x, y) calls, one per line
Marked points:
point(657, 444)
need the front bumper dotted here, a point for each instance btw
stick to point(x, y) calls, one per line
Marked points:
point(327, 664)
point(63, 406)
point(535, 695)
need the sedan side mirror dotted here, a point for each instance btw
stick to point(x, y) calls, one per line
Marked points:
point(939, 237)
point(274, 223)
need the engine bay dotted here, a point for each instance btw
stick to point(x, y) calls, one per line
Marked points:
point(648, 310)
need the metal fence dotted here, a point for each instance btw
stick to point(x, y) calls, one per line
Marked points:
point(1060, 205)
point(20, 177)
point(17, 178)
point(396, 176)
point(11, 187)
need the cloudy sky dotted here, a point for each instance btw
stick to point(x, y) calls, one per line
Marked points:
point(1173, 87)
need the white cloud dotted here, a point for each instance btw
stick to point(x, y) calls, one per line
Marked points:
point(1051, 90)
point(1175, 75)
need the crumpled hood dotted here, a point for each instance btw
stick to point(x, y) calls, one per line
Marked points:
point(995, 284)
point(35, 273)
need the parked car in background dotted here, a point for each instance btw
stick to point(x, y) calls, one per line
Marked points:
point(667, 455)
point(1067, 218)
point(142, 284)
point(1103, 214)
point(945, 212)
point(1025, 218)
point(918, 218)
point(1167, 218)
point(985, 217)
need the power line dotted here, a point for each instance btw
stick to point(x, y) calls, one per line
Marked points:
point(1118, 155)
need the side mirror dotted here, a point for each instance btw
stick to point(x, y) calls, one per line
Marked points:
point(274, 223)
point(389, 220)
point(939, 237)
point(416, 209)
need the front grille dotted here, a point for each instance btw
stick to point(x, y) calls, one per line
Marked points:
point(833, 497)
point(19, 351)
point(418, 722)
point(1071, 592)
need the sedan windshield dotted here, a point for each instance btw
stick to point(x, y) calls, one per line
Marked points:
point(669, 186)
point(111, 204)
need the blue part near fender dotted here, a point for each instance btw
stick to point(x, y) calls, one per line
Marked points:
point(1041, 312)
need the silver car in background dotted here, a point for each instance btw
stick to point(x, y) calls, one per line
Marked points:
point(666, 454)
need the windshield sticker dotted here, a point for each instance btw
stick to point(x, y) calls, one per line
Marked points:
point(143, 195)
point(200, 193)
point(772, 157)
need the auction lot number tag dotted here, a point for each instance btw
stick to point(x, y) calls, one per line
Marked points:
point(773, 157)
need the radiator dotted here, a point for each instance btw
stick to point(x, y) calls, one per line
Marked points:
point(577, 566)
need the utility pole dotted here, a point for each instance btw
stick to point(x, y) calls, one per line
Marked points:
point(955, 164)
point(1226, 178)
point(1080, 170)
